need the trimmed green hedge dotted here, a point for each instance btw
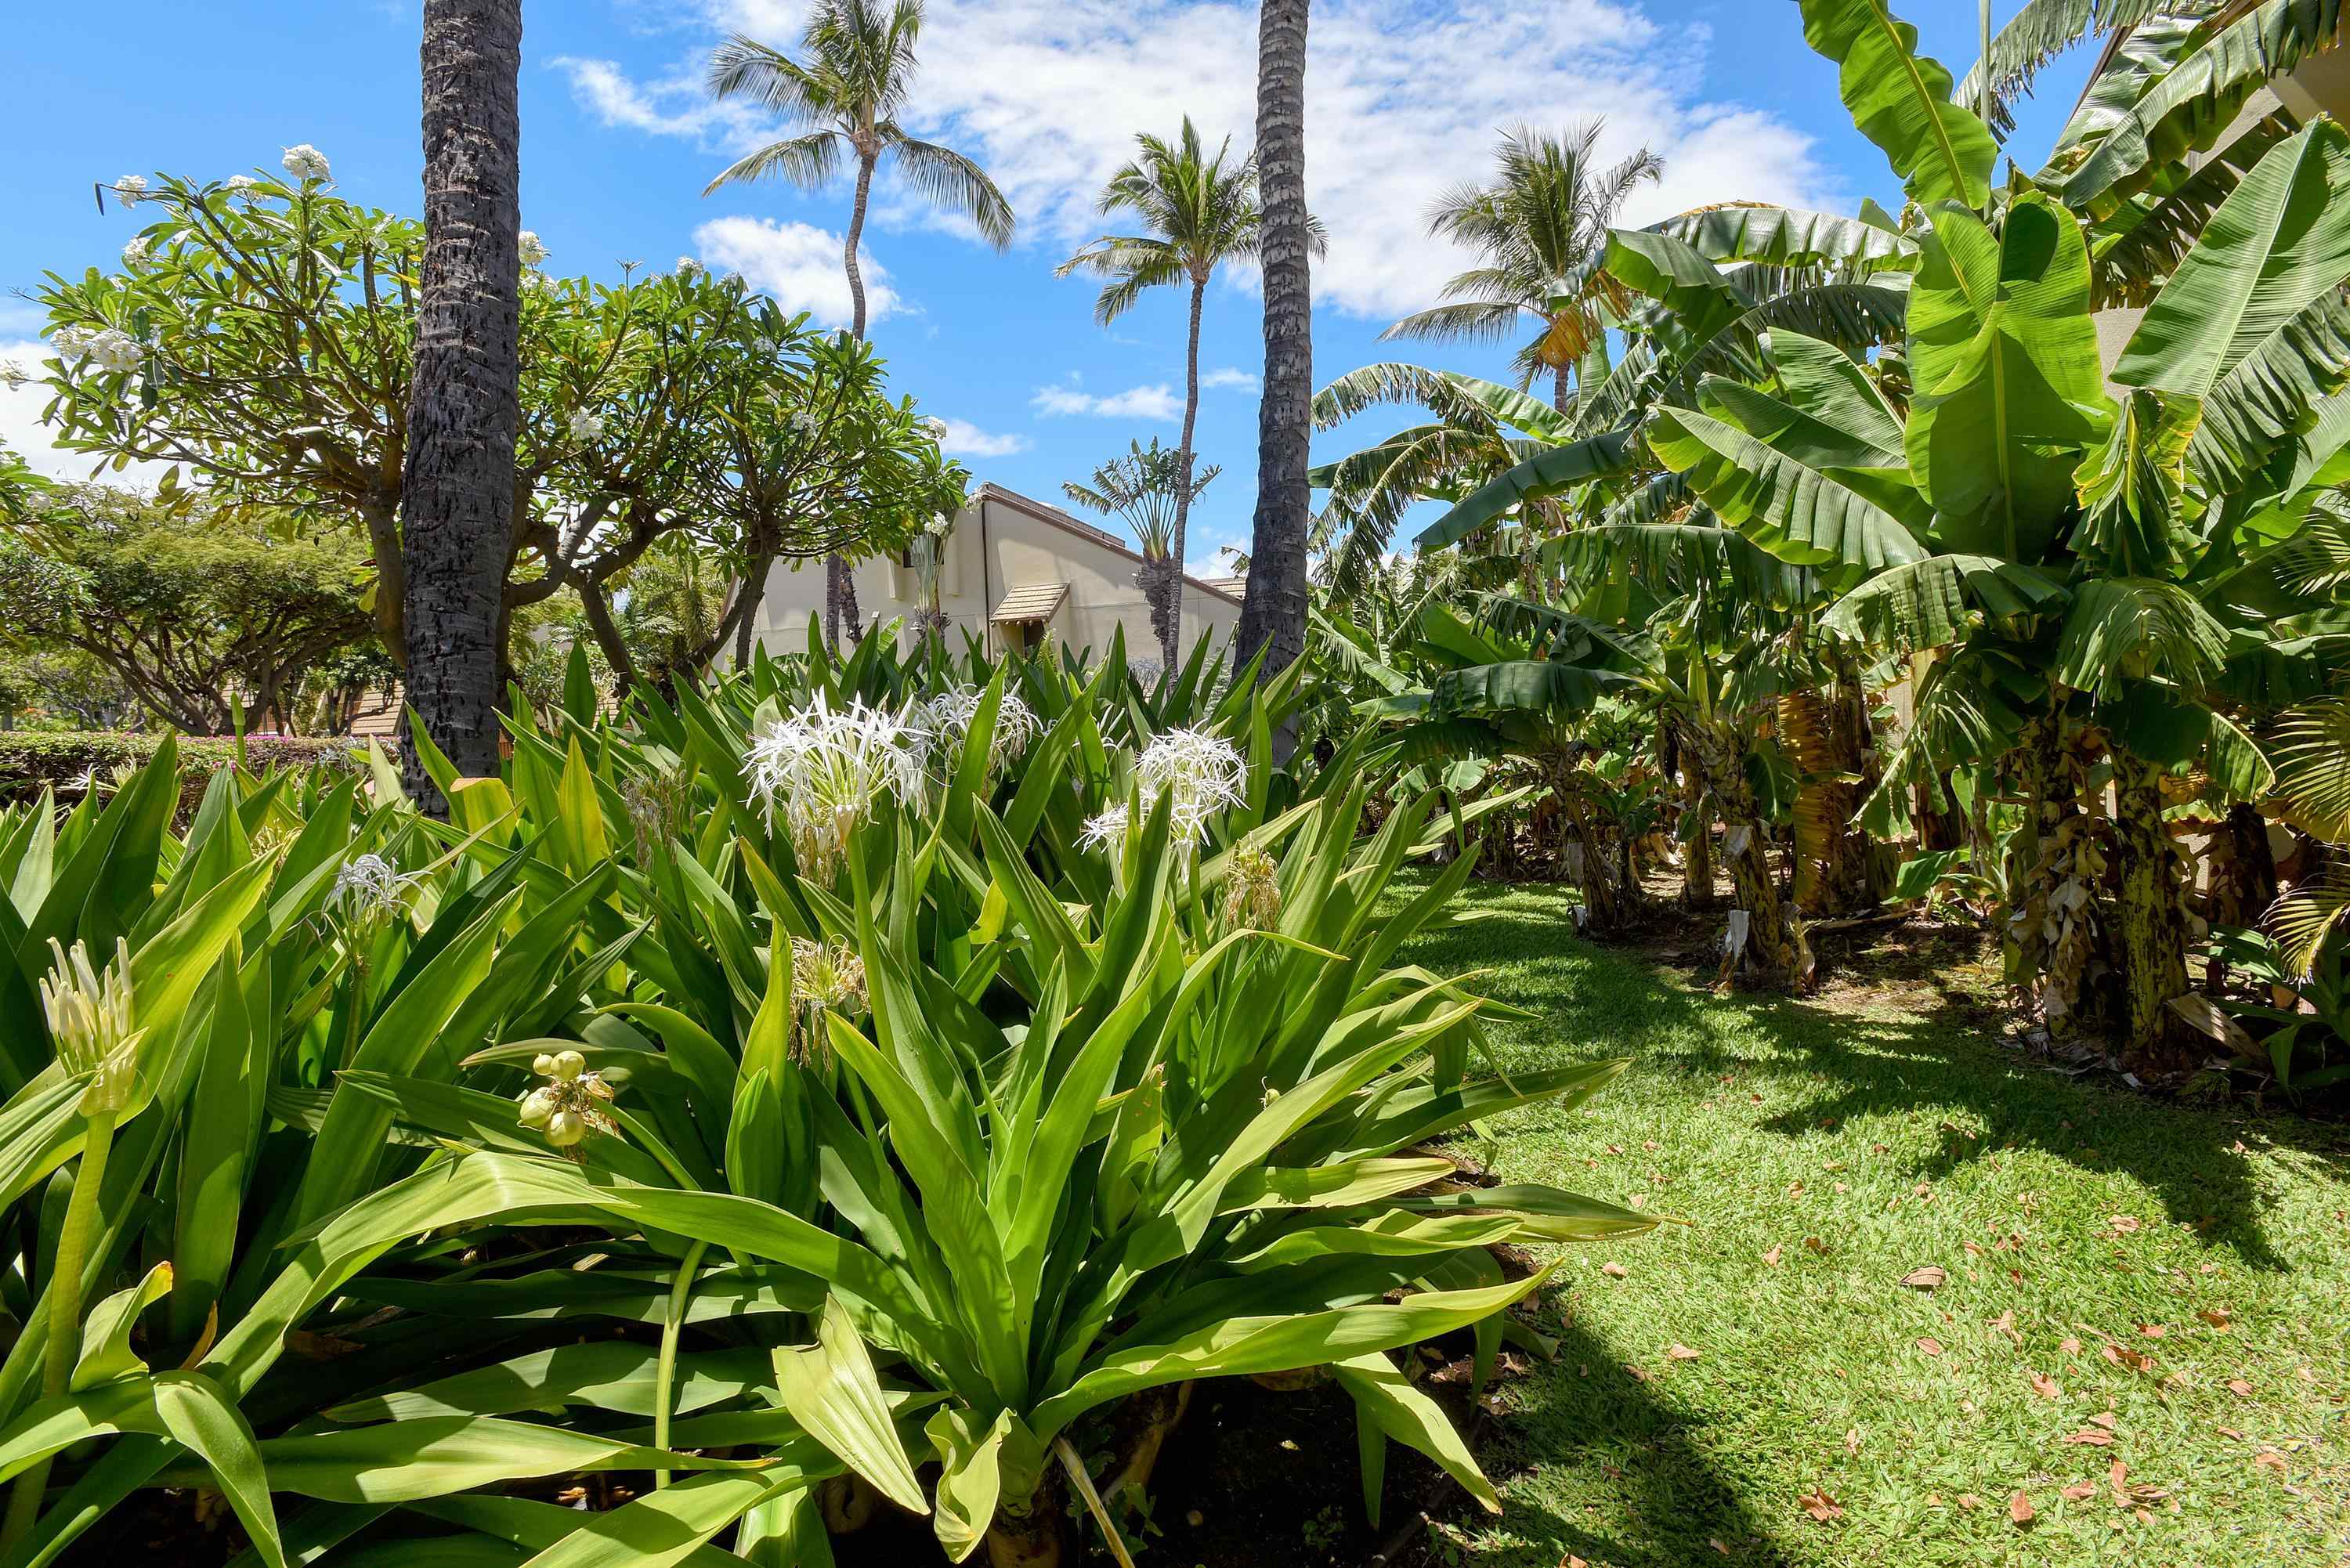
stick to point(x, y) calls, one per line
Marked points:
point(31, 760)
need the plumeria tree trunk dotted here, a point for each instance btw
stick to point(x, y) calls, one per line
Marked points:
point(1273, 612)
point(458, 485)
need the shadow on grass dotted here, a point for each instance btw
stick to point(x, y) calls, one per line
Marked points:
point(1626, 1477)
point(1600, 1002)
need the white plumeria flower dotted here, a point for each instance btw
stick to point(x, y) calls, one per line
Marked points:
point(135, 255)
point(935, 429)
point(949, 714)
point(1201, 775)
point(13, 374)
point(825, 769)
point(306, 163)
point(532, 249)
point(114, 350)
point(131, 190)
point(586, 425)
point(687, 266)
point(71, 342)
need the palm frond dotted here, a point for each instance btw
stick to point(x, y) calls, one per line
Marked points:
point(947, 179)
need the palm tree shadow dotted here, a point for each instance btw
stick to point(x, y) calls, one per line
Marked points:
point(1626, 1478)
point(1838, 1065)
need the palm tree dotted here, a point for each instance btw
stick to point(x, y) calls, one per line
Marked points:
point(847, 90)
point(457, 491)
point(1540, 230)
point(1273, 612)
point(1152, 489)
point(1199, 211)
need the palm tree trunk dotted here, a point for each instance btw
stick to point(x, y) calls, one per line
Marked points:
point(840, 587)
point(1273, 612)
point(1171, 642)
point(457, 489)
point(1558, 396)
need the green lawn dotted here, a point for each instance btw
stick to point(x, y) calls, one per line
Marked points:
point(1854, 1142)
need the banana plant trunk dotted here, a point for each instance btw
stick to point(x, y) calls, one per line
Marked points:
point(2054, 940)
point(2153, 919)
point(1769, 953)
point(2243, 877)
point(1696, 833)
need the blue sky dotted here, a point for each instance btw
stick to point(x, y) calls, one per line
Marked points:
point(1403, 100)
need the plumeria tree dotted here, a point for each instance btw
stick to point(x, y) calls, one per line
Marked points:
point(258, 339)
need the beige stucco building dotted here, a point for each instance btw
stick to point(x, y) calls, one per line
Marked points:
point(1016, 572)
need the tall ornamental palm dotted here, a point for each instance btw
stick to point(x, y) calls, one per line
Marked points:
point(457, 491)
point(1540, 231)
point(1199, 211)
point(852, 82)
point(1272, 613)
point(1152, 489)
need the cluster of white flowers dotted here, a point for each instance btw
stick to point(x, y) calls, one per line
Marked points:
point(568, 1105)
point(12, 374)
point(825, 769)
point(106, 347)
point(306, 163)
point(532, 249)
point(949, 715)
point(135, 253)
point(368, 889)
point(131, 190)
point(89, 1017)
point(935, 429)
point(1201, 775)
point(804, 422)
point(687, 266)
point(1105, 831)
point(585, 425)
point(538, 282)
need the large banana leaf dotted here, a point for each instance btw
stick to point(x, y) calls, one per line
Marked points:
point(1794, 504)
point(1538, 478)
point(1788, 236)
point(2004, 354)
point(1900, 100)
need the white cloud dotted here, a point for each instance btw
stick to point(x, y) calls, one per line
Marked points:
point(1403, 100)
point(965, 439)
point(1231, 376)
point(1156, 402)
point(799, 265)
point(673, 105)
point(22, 433)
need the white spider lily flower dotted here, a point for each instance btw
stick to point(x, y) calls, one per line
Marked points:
point(950, 713)
point(532, 249)
point(1106, 831)
point(586, 425)
point(89, 1017)
point(306, 163)
point(369, 887)
point(824, 769)
point(1201, 775)
point(131, 190)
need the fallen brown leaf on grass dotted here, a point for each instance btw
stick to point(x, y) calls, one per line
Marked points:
point(2069, 1345)
point(1814, 1245)
point(2045, 1387)
point(2152, 1330)
point(2273, 1462)
point(2019, 1509)
point(1770, 1258)
point(1929, 1344)
point(1821, 1506)
point(2238, 1387)
point(1926, 1279)
point(1571, 1561)
point(1852, 1439)
point(2123, 1223)
point(2079, 1492)
point(1677, 1351)
point(2005, 1323)
point(2217, 1318)
point(2133, 1360)
point(2105, 1418)
point(1968, 1500)
point(2091, 1436)
point(1613, 1271)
